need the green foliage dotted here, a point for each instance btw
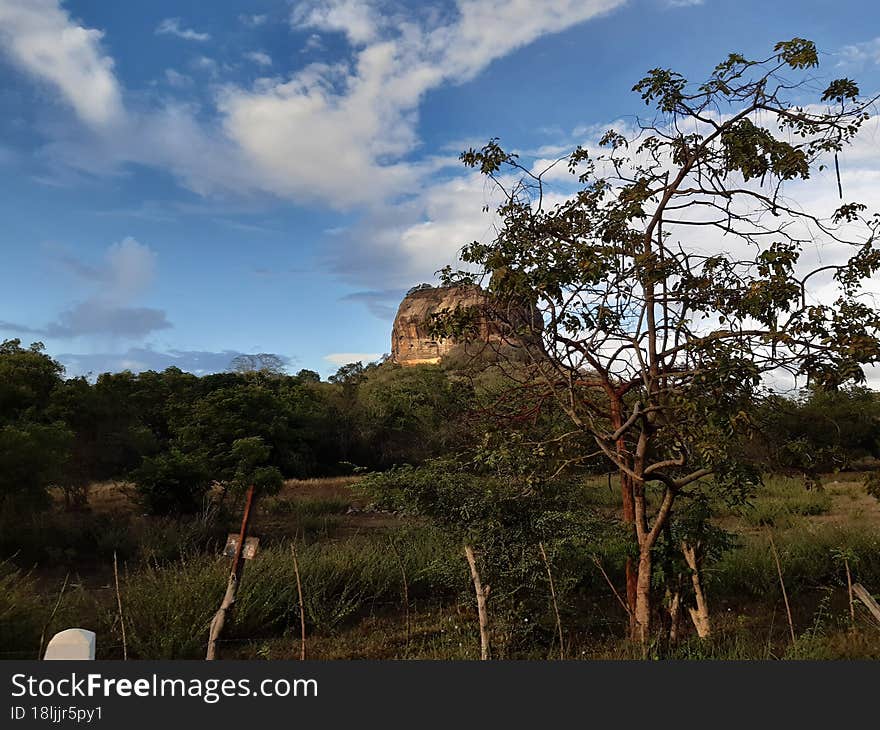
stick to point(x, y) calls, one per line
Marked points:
point(169, 607)
point(250, 455)
point(809, 558)
point(27, 379)
point(508, 519)
point(172, 483)
point(33, 447)
point(821, 430)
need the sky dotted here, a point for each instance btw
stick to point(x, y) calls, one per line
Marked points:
point(184, 181)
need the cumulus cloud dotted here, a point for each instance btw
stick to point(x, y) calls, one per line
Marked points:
point(128, 269)
point(357, 19)
point(861, 53)
point(177, 79)
point(109, 310)
point(259, 57)
point(397, 246)
point(102, 317)
point(339, 132)
point(313, 43)
point(253, 21)
point(42, 39)
point(171, 26)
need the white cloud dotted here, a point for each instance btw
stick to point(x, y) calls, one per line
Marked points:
point(344, 358)
point(177, 79)
point(338, 132)
point(357, 19)
point(109, 309)
point(131, 268)
point(683, 3)
point(171, 26)
point(205, 63)
point(43, 40)
point(313, 43)
point(259, 57)
point(253, 21)
point(861, 53)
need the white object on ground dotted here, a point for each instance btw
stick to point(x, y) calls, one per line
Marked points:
point(71, 644)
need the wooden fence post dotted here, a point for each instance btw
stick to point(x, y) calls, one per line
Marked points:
point(482, 594)
point(228, 601)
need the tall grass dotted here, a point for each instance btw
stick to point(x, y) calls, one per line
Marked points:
point(21, 612)
point(169, 607)
point(808, 557)
point(781, 500)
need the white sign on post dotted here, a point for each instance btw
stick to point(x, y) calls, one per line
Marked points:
point(71, 644)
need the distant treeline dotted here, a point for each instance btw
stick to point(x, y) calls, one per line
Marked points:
point(175, 434)
point(175, 426)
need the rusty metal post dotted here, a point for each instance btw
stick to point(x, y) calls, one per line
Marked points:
point(226, 605)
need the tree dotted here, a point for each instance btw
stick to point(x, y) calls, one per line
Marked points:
point(28, 377)
point(679, 277)
point(821, 430)
point(33, 446)
point(172, 483)
point(507, 520)
point(408, 414)
point(262, 362)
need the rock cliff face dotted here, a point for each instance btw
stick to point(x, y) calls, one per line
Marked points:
point(411, 341)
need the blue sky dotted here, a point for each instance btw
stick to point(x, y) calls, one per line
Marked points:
point(185, 180)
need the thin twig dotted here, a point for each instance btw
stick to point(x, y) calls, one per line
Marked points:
point(553, 596)
point(782, 585)
point(405, 587)
point(849, 588)
point(52, 616)
point(302, 610)
point(598, 564)
point(119, 605)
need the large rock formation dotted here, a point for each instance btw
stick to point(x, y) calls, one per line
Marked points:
point(411, 339)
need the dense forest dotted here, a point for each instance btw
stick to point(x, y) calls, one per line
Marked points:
point(174, 434)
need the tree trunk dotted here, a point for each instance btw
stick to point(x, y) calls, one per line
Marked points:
point(628, 510)
point(700, 614)
point(643, 599)
point(629, 518)
point(674, 614)
point(482, 596)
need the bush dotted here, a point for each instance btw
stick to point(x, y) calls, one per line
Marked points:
point(172, 483)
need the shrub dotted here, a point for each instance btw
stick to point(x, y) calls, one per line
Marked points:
point(172, 483)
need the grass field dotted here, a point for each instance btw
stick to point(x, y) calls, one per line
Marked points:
point(376, 585)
